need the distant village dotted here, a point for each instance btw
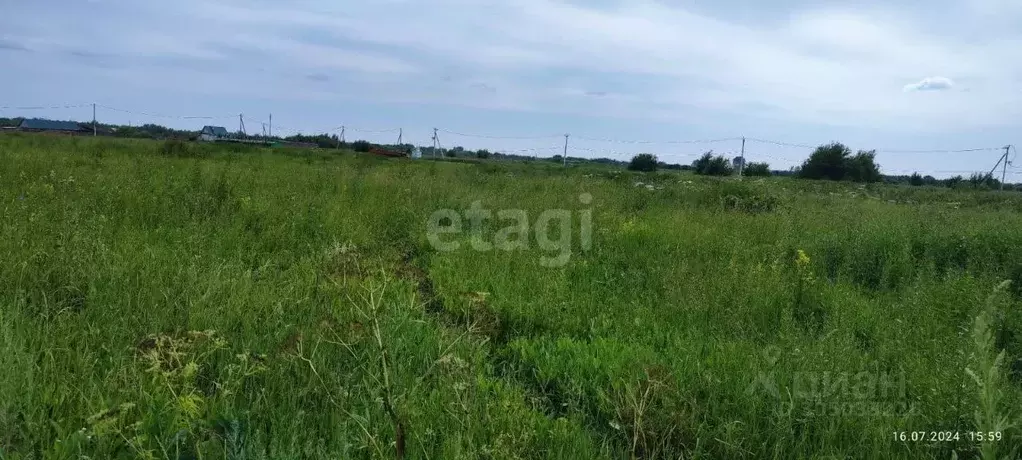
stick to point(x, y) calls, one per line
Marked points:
point(220, 134)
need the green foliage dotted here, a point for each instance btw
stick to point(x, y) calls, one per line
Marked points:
point(826, 162)
point(644, 162)
point(915, 180)
point(835, 162)
point(862, 167)
point(985, 181)
point(756, 169)
point(182, 149)
point(322, 141)
point(482, 154)
point(361, 146)
point(709, 165)
point(277, 303)
point(10, 122)
point(753, 200)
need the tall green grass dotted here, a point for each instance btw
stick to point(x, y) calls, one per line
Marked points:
point(189, 301)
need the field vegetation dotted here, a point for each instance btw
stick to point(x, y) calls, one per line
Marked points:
point(165, 300)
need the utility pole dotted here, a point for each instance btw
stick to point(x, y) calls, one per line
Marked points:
point(436, 142)
point(438, 146)
point(741, 164)
point(565, 157)
point(241, 122)
point(400, 132)
point(270, 130)
point(93, 119)
point(1004, 169)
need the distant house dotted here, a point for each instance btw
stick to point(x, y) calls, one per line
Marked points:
point(213, 133)
point(38, 125)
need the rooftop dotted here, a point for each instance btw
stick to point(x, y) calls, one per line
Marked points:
point(49, 125)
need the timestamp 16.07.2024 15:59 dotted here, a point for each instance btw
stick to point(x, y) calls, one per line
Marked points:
point(947, 436)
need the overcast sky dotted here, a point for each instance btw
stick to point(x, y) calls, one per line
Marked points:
point(894, 75)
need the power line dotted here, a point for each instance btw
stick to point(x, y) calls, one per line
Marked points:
point(783, 144)
point(880, 150)
point(46, 107)
point(370, 131)
point(156, 115)
point(983, 149)
point(484, 136)
point(621, 141)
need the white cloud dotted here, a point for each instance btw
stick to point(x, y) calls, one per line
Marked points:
point(834, 66)
point(931, 84)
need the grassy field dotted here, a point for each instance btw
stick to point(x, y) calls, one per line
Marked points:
point(184, 301)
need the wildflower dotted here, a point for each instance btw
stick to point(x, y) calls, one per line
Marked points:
point(802, 262)
point(190, 405)
point(628, 226)
point(802, 259)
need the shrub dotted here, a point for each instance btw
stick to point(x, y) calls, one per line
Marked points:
point(826, 162)
point(645, 162)
point(482, 154)
point(738, 196)
point(915, 180)
point(176, 148)
point(756, 169)
point(835, 162)
point(983, 181)
point(361, 146)
point(709, 165)
point(862, 167)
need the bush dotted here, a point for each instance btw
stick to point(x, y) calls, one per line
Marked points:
point(983, 181)
point(709, 165)
point(862, 167)
point(645, 162)
point(177, 148)
point(482, 154)
point(836, 162)
point(826, 162)
point(915, 180)
point(756, 169)
point(361, 146)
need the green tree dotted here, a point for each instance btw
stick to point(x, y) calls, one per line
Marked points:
point(646, 162)
point(862, 167)
point(482, 154)
point(827, 162)
point(756, 169)
point(915, 180)
point(361, 146)
point(709, 165)
point(983, 181)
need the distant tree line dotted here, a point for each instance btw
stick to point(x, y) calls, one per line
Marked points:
point(833, 161)
point(980, 181)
